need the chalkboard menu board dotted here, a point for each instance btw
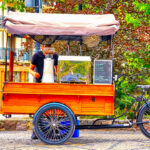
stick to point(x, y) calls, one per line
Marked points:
point(102, 72)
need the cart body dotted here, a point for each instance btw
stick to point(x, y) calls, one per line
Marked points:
point(56, 105)
point(82, 99)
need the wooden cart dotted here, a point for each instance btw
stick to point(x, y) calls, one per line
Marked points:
point(56, 105)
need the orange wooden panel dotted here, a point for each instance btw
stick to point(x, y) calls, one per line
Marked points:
point(19, 104)
point(27, 97)
point(21, 100)
point(37, 101)
point(2, 74)
point(87, 101)
point(1, 87)
point(19, 110)
point(60, 89)
point(0, 92)
point(71, 101)
point(101, 104)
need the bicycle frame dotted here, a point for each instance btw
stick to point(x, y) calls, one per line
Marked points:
point(138, 99)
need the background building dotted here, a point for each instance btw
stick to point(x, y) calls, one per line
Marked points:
point(22, 51)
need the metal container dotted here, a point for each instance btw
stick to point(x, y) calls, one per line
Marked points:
point(74, 69)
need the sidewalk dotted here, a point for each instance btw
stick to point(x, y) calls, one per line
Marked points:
point(24, 123)
point(88, 140)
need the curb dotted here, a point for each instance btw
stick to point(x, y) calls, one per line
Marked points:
point(15, 124)
point(26, 124)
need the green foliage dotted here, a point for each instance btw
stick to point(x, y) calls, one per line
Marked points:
point(141, 14)
point(3, 6)
point(136, 70)
point(132, 51)
point(142, 7)
point(134, 21)
point(14, 4)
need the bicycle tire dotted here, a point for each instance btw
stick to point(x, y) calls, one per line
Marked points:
point(144, 115)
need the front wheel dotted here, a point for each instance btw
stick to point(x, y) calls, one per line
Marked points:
point(144, 119)
point(54, 123)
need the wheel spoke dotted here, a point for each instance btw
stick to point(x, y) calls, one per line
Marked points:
point(63, 119)
point(48, 116)
point(48, 133)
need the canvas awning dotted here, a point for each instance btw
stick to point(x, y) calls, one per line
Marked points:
point(60, 24)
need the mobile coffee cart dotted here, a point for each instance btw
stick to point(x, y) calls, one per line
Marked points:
point(56, 105)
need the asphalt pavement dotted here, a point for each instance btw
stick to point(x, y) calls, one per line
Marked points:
point(88, 140)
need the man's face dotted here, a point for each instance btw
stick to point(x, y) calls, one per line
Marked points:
point(47, 50)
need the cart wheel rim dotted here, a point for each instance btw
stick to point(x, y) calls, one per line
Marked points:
point(54, 125)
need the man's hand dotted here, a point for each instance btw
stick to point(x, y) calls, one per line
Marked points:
point(55, 68)
point(31, 70)
point(36, 75)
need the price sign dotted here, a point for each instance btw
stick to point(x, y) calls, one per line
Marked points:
point(102, 72)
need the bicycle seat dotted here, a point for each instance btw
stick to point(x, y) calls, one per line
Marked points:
point(143, 86)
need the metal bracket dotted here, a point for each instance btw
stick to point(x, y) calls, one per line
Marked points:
point(93, 99)
point(2, 97)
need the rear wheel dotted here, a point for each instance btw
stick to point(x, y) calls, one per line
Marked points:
point(144, 116)
point(54, 124)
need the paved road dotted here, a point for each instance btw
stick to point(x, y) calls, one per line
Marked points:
point(15, 116)
point(88, 140)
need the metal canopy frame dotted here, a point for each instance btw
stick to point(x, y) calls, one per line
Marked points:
point(68, 38)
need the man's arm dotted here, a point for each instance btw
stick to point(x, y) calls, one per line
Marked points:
point(31, 71)
point(55, 68)
point(55, 56)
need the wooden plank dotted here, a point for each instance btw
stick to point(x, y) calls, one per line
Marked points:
point(59, 89)
point(20, 101)
point(2, 84)
point(94, 113)
point(93, 109)
point(33, 109)
point(21, 109)
point(0, 91)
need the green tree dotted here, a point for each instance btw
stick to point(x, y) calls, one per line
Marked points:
point(13, 4)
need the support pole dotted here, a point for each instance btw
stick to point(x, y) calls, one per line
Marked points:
point(38, 9)
point(6, 59)
point(112, 46)
point(68, 47)
point(80, 47)
point(112, 50)
point(80, 8)
point(11, 59)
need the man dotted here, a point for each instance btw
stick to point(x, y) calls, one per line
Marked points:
point(38, 62)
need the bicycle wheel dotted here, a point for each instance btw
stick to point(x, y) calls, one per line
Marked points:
point(144, 116)
point(54, 124)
